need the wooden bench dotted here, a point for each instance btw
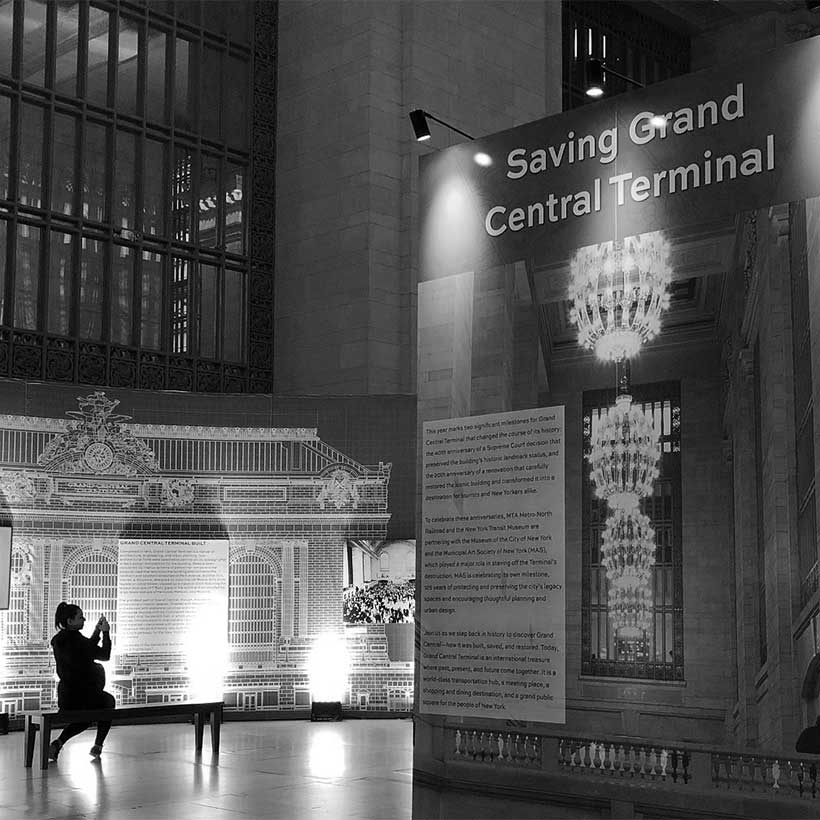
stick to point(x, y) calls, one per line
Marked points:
point(46, 721)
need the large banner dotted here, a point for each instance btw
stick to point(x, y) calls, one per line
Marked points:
point(686, 151)
point(493, 618)
point(169, 593)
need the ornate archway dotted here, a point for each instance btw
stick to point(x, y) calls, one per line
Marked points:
point(810, 691)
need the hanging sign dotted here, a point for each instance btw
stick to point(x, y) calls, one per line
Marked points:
point(686, 151)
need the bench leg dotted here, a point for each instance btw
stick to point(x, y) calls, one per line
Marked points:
point(216, 723)
point(29, 740)
point(199, 728)
point(45, 740)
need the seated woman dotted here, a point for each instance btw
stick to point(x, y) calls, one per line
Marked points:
point(82, 679)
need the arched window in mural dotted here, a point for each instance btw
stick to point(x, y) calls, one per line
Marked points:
point(658, 653)
point(14, 621)
point(91, 582)
point(252, 601)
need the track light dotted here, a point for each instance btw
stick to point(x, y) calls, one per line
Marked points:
point(594, 78)
point(595, 73)
point(419, 121)
point(419, 117)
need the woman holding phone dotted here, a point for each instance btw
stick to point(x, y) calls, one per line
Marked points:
point(82, 679)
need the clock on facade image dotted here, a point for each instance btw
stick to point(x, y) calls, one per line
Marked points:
point(98, 456)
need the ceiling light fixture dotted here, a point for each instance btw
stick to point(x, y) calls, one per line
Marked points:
point(628, 556)
point(619, 291)
point(630, 607)
point(624, 456)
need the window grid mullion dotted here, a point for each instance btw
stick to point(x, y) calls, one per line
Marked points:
point(94, 227)
point(666, 522)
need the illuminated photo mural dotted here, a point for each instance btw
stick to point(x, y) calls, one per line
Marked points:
point(190, 539)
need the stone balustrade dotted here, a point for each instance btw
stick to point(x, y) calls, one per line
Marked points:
point(510, 748)
point(659, 765)
point(792, 776)
point(625, 759)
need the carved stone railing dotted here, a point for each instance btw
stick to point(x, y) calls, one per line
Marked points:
point(653, 764)
point(504, 748)
point(625, 759)
point(778, 776)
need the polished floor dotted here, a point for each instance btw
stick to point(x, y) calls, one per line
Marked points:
point(353, 770)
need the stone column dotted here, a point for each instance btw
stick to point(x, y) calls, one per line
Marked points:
point(303, 588)
point(492, 359)
point(777, 412)
point(813, 273)
point(747, 573)
point(445, 347)
point(287, 589)
point(55, 577)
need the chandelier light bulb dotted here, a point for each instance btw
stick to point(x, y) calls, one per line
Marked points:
point(624, 456)
point(618, 293)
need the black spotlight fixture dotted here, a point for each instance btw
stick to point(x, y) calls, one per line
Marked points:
point(419, 117)
point(813, 5)
point(419, 121)
point(594, 78)
point(595, 72)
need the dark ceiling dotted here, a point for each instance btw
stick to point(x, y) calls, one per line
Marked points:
point(692, 17)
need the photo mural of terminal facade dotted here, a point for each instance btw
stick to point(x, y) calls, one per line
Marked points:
point(277, 257)
point(282, 504)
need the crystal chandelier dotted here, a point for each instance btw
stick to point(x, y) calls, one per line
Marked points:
point(628, 556)
point(619, 291)
point(630, 607)
point(628, 546)
point(624, 455)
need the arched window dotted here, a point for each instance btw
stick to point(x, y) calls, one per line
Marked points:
point(91, 582)
point(252, 601)
point(14, 621)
